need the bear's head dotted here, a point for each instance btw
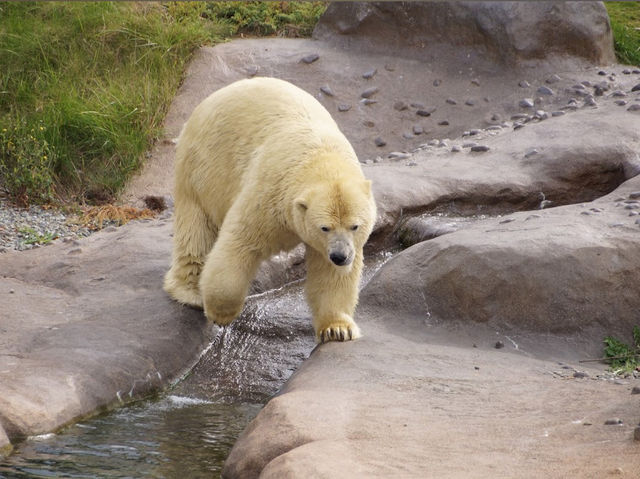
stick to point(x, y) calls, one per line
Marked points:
point(336, 219)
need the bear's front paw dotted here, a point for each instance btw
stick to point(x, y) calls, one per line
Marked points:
point(222, 314)
point(338, 331)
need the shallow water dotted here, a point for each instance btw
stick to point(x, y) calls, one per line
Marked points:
point(188, 432)
point(171, 437)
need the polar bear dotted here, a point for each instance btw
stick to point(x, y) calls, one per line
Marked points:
point(261, 167)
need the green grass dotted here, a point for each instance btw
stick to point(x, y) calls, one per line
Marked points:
point(625, 23)
point(621, 356)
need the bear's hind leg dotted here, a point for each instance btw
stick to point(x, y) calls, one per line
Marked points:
point(194, 236)
point(332, 296)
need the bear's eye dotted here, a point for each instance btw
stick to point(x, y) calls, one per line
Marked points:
point(325, 228)
point(354, 227)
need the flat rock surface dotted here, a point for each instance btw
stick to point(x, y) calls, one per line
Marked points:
point(86, 326)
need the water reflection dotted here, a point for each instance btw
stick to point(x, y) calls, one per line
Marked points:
point(167, 438)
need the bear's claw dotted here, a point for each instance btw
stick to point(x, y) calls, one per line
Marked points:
point(338, 333)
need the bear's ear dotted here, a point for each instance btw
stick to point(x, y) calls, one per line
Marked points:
point(301, 204)
point(366, 186)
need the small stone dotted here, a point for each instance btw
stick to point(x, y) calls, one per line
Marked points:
point(437, 82)
point(542, 115)
point(369, 92)
point(499, 345)
point(398, 155)
point(400, 106)
point(443, 123)
point(634, 195)
point(390, 68)
point(636, 88)
point(602, 73)
point(474, 132)
point(368, 101)
point(638, 221)
point(379, 142)
point(526, 103)
point(469, 144)
point(456, 149)
point(326, 90)
point(586, 213)
point(590, 101)
point(524, 84)
point(451, 101)
point(417, 105)
point(368, 123)
point(424, 113)
point(12, 291)
point(545, 90)
point(480, 148)
point(598, 90)
point(310, 58)
point(475, 82)
point(618, 94)
point(508, 220)
point(631, 207)
point(377, 159)
point(408, 136)
point(433, 142)
point(636, 434)
point(635, 390)
point(557, 113)
point(633, 213)
point(530, 153)
point(520, 116)
point(553, 79)
point(580, 375)
point(578, 86)
point(344, 107)
point(517, 126)
point(614, 421)
point(418, 130)
point(370, 74)
point(252, 70)
point(470, 102)
point(620, 102)
point(634, 107)
point(412, 163)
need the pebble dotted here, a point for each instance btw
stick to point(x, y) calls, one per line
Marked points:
point(408, 136)
point(578, 86)
point(618, 94)
point(451, 101)
point(620, 102)
point(418, 130)
point(326, 90)
point(635, 390)
point(398, 155)
point(369, 74)
point(470, 102)
point(626, 71)
point(638, 221)
point(634, 107)
point(580, 374)
point(368, 123)
point(443, 123)
point(456, 149)
point(557, 113)
point(424, 113)
point(614, 421)
point(475, 82)
point(590, 101)
point(252, 70)
point(524, 84)
point(400, 106)
point(379, 142)
point(517, 126)
point(526, 103)
point(437, 82)
point(520, 116)
point(505, 221)
point(417, 105)
point(553, 79)
point(602, 73)
point(310, 58)
point(369, 92)
point(368, 101)
point(480, 148)
point(530, 153)
point(412, 163)
point(344, 107)
point(598, 90)
point(636, 434)
point(545, 90)
point(636, 88)
point(499, 345)
point(469, 144)
point(634, 195)
point(532, 217)
point(542, 115)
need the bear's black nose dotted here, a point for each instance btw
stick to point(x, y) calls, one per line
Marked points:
point(338, 258)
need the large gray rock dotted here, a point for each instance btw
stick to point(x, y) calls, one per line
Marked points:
point(504, 33)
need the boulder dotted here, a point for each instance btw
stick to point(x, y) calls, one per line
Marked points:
point(503, 33)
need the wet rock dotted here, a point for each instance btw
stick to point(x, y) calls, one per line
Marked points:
point(342, 107)
point(544, 90)
point(369, 74)
point(602, 73)
point(379, 142)
point(369, 92)
point(308, 59)
point(418, 229)
point(326, 90)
